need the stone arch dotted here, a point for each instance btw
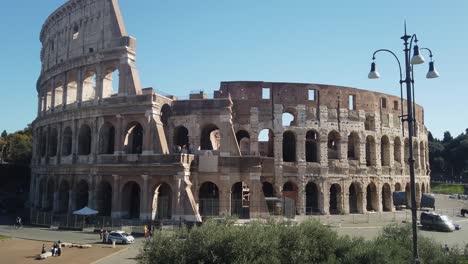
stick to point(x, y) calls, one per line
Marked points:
point(397, 187)
point(67, 142)
point(50, 195)
point(131, 198)
point(355, 198)
point(397, 149)
point(81, 194)
point(288, 118)
point(371, 157)
point(58, 94)
point(162, 201)
point(64, 197)
point(385, 151)
point(84, 140)
point(243, 140)
point(353, 146)
point(210, 138)
point(42, 192)
point(406, 151)
point(266, 143)
point(289, 146)
point(422, 155)
point(208, 198)
point(386, 198)
point(53, 140)
point(236, 202)
point(89, 85)
point(110, 82)
point(181, 138)
point(336, 195)
point(166, 113)
point(104, 198)
point(372, 199)
point(72, 87)
point(312, 198)
point(106, 139)
point(268, 189)
point(311, 145)
point(334, 142)
point(133, 143)
point(369, 123)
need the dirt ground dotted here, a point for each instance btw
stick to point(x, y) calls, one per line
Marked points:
point(25, 251)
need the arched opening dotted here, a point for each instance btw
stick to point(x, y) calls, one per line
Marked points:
point(210, 138)
point(58, 94)
point(407, 152)
point(289, 146)
point(181, 138)
point(84, 140)
point(385, 151)
point(67, 142)
point(134, 138)
point(353, 146)
point(408, 195)
point(243, 140)
point(397, 149)
point(50, 195)
point(312, 198)
point(355, 198)
point(397, 187)
point(369, 123)
point(372, 198)
point(243, 212)
point(266, 143)
point(335, 199)
point(166, 113)
point(53, 138)
point(208, 198)
point(110, 83)
point(290, 193)
point(89, 86)
point(268, 190)
point(311, 146)
point(334, 139)
point(422, 157)
point(371, 159)
point(288, 119)
point(386, 198)
point(104, 198)
point(107, 139)
point(64, 197)
point(81, 195)
point(72, 88)
point(423, 188)
point(162, 202)
point(131, 200)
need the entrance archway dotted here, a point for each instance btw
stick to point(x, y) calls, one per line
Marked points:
point(386, 198)
point(162, 202)
point(131, 200)
point(372, 198)
point(312, 198)
point(335, 199)
point(236, 202)
point(104, 198)
point(208, 199)
point(82, 190)
point(64, 197)
point(355, 198)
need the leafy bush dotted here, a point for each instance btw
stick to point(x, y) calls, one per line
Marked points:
point(272, 243)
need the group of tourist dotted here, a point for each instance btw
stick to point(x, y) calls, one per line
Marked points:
point(104, 236)
point(56, 249)
point(148, 231)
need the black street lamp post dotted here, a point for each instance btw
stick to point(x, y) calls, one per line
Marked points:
point(417, 58)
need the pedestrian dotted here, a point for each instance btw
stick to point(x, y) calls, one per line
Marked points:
point(59, 248)
point(145, 231)
point(106, 236)
point(150, 230)
point(19, 222)
point(43, 249)
point(447, 249)
point(101, 234)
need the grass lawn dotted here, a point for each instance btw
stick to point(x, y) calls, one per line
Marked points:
point(3, 237)
point(446, 188)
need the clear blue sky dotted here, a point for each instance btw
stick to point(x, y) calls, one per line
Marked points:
point(187, 45)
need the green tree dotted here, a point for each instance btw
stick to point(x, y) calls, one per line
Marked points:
point(447, 137)
point(4, 134)
point(20, 148)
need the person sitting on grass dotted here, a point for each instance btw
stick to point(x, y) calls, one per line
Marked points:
point(43, 249)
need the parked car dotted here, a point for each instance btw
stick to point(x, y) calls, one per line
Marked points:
point(431, 220)
point(120, 237)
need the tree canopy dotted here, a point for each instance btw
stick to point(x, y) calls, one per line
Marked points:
point(16, 147)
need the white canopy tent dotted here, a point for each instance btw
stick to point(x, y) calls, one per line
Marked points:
point(85, 211)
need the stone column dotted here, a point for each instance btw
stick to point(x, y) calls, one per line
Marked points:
point(254, 150)
point(75, 140)
point(145, 208)
point(379, 197)
point(65, 91)
point(71, 200)
point(99, 92)
point(343, 150)
point(323, 150)
point(325, 198)
point(55, 205)
point(79, 81)
point(119, 136)
point(59, 143)
point(345, 199)
point(300, 146)
point(52, 96)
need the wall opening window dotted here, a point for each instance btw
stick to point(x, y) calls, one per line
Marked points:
point(383, 102)
point(266, 143)
point(266, 93)
point(395, 105)
point(289, 147)
point(311, 95)
point(352, 102)
point(76, 32)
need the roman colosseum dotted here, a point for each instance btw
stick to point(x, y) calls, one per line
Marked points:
point(252, 149)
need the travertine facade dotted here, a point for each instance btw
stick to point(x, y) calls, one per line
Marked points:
point(133, 153)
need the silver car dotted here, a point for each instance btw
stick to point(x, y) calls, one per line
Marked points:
point(120, 237)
